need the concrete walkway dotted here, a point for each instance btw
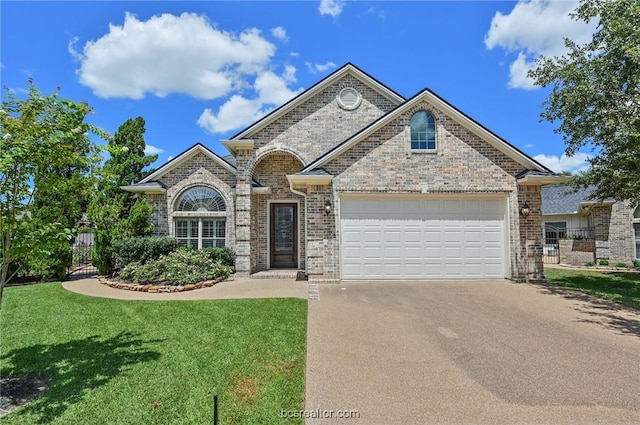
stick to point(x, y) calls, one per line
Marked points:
point(228, 289)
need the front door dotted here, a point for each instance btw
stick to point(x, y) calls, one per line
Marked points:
point(283, 236)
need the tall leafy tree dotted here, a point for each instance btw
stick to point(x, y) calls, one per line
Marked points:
point(118, 213)
point(595, 97)
point(46, 160)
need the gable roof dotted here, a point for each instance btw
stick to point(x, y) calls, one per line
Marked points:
point(565, 199)
point(185, 156)
point(347, 69)
point(450, 110)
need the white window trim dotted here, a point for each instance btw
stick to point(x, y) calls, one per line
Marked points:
point(200, 227)
point(435, 128)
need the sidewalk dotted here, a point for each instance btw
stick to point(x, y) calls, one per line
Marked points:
point(229, 289)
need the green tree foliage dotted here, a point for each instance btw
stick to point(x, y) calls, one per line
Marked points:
point(46, 160)
point(115, 212)
point(595, 97)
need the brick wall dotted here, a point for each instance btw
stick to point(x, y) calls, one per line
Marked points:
point(319, 124)
point(614, 232)
point(577, 252)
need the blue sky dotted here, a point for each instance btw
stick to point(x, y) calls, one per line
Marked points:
point(202, 71)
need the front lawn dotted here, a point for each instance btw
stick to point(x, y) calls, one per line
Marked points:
point(153, 362)
point(622, 287)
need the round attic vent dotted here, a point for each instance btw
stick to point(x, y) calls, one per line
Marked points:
point(349, 98)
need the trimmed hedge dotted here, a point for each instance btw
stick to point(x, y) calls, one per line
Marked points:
point(141, 250)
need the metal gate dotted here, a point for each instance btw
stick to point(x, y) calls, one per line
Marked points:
point(551, 248)
point(82, 248)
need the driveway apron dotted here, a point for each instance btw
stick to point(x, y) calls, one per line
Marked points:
point(470, 352)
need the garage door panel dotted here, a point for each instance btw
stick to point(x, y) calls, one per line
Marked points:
point(422, 238)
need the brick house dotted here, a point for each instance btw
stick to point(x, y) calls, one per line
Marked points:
point(580, 230)
point(350, 180)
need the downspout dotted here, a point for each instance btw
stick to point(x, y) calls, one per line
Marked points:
point(306, 239)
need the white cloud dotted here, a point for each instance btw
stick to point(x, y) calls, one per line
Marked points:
point(319, 67)
point(331, 7)
point(377, 13)
point(575, 163)
point(294, 54)
point(170, 54)
point(529, 145)
point(152, 150)
point(272, 91)
point(532, 28)
point(280, 33)
point(169, 158)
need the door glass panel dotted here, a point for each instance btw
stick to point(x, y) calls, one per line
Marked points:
point(284, 221)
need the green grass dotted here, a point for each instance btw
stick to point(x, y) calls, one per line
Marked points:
point(622, 287)
point(153, 362)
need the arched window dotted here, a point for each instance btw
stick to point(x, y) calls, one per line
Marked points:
point(200, 218)
point(636, 213)
point(423, 131)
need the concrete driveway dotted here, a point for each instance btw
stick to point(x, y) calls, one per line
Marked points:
point(477, 352)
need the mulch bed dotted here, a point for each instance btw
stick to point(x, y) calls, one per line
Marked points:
point(18, 391)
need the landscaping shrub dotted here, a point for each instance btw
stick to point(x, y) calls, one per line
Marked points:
point(636, 263)
point(225, 255)
point(621, 265)
point(180, 267)
point(51, 263)
point(603, 262)
point(142, 249)
point(590, 264)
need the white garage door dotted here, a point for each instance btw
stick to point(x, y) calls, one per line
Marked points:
point(422, 238)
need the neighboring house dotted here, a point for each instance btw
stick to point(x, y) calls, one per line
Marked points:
point(579, 230)
point(350, 180)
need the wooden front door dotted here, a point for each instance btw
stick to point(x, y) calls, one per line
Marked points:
point(283, 236)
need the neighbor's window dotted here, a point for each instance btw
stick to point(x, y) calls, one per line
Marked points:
point(423, 131)
point(200, 218)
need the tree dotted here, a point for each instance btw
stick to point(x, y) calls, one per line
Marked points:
point(595, 97)
point(44, 141)
point(115, 212)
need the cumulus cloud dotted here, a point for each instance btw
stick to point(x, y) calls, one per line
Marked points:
point(573, 164)
point(152, 150)
point(532, 28)
point(170, 54)
point(319, 67)
point(280, 33)
point(239, 111)
point(331, 7)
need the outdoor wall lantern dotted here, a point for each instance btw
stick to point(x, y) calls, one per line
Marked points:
point(327, 207)
point(525, 210)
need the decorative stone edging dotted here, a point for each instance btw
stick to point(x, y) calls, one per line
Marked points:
point(157, 288)
point(599, 268)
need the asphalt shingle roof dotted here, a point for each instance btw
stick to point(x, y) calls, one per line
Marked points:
point(564, 199)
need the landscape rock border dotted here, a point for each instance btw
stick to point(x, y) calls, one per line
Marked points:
point(155, 288)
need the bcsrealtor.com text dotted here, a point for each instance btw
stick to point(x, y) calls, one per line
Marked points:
point(320, 414)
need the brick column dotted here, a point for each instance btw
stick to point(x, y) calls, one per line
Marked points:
point(530, 264)
point(322, 254)
point(243, 212)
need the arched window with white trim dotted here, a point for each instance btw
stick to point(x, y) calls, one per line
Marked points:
point(199, 218)
point(423, 131)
